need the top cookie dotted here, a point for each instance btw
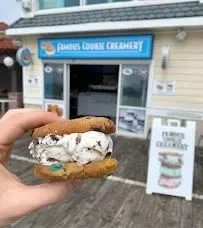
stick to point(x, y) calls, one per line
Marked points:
point(79, 125)
point(170, 154)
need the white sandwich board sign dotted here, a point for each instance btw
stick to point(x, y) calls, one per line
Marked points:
point(171, 159)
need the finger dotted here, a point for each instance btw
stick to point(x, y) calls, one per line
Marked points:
point(14, 112)
point(36, 197)
point(16, 126)
point(7, 177)
point(5, 155)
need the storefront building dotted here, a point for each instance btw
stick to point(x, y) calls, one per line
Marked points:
point(128, 60)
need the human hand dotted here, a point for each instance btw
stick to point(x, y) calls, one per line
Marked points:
point(18, 199)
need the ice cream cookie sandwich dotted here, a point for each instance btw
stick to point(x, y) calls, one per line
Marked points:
point(74, 149)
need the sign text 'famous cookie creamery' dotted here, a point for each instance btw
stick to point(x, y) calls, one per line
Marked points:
point(173, 140)
point(171, 160)
point(115, 47)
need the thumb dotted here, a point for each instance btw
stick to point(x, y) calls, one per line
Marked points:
point(49, 193)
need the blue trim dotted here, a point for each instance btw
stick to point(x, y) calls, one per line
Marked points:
point(104, 47)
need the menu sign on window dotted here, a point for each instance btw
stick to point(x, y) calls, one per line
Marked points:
point(164, 87)
point(171, 160)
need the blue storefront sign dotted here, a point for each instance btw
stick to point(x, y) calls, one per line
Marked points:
point(111, 47)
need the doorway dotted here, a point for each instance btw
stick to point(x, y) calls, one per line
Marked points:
point(93, 90)
point(119, 91)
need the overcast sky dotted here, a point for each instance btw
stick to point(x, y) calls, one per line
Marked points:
point(9, 11)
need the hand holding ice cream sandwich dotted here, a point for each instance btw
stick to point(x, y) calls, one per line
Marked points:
point(18, 199)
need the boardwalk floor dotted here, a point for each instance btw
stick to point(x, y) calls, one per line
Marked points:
point(111, 204)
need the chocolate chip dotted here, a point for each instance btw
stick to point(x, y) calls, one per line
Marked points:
point(32, 132)
point(52, 160)
point(54, 138)
point(107, 147)
point(78, 139)
point(99, 143)
point(35, 142)
point(108, 154)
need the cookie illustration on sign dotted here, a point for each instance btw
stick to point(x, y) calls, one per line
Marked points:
point(169, 87)
point(170, 169)
point(48, 48)
point(159, 87)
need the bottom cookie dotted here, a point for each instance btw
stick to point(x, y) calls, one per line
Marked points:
point(169, 182)
point(70, 170)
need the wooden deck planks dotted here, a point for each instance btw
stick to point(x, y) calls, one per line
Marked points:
point(109, 204)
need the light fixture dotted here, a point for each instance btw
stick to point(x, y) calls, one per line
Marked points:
point(180, 35)
point(8, 61)
point(164, 57)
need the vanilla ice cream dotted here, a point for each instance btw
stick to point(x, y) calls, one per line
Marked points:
point(81, 148)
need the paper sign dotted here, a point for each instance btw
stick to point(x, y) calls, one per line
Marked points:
point(32, 82)
point(164, 87)
point(171, 159)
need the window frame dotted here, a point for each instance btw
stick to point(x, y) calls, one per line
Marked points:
point(110, 2)
point(84, 7)
point(37, 8)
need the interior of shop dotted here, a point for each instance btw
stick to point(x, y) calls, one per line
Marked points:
point(93, 90)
